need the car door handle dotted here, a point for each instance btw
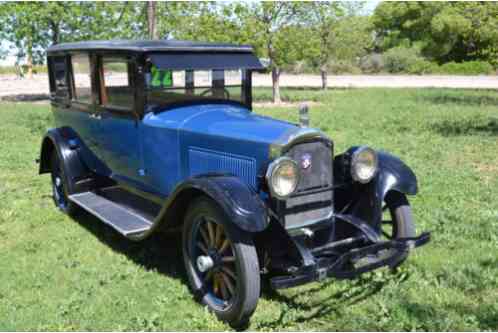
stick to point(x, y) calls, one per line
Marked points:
point(95, 116)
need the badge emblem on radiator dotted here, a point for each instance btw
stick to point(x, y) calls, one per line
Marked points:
point(306, 161)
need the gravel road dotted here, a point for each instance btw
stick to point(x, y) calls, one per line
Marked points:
point(10, 85)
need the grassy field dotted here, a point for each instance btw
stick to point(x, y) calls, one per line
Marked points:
point(61, 274)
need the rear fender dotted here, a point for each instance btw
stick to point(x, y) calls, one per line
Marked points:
point(63, 141)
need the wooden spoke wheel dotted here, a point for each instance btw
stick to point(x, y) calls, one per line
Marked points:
point(397, 220)
point(221, 263)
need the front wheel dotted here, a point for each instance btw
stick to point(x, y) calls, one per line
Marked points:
point(221, 263)
point(400, 223)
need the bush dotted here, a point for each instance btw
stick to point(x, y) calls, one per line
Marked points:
point(342, 67)
point(372, 63)
point(12, 69)
point(399, 59)
point(466, 68)
point(422, 66)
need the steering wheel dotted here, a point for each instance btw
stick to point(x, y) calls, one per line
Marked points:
point(225, 91)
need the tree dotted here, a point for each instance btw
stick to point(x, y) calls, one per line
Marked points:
point(151, 19)
point(444, 31)
point(323, 16)
point(33, 26)
point(275, 33)
point(23, 27)
point(337, 33)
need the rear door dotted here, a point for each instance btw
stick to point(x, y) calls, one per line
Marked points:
point(119, 133)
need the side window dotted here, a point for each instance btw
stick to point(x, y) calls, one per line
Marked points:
point(58, 82)
point(82, 78)
point(116, 89)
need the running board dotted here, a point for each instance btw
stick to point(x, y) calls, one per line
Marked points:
point(119, 216)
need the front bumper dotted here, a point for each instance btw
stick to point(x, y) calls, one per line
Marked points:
point(351, 263)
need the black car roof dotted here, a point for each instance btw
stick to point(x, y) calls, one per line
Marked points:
point(151, 46)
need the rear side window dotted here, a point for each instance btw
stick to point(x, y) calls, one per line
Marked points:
point(58, 81)
point(116, 89)
point(82, 78)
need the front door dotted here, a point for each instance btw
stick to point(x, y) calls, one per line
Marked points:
point(119, 133)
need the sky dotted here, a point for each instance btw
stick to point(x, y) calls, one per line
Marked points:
point(10, 59)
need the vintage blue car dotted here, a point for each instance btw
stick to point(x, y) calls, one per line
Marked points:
point(154, 136)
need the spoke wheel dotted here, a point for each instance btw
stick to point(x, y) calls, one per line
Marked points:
point(397, 220)
point(221, 263)
point(215, 260)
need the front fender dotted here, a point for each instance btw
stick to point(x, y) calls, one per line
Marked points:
point(241, 204)
point(365, 200)
point(394, 175)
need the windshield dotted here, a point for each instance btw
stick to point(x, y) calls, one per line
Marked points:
point(165, 87)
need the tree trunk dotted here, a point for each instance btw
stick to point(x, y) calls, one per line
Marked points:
point(29, 59)
point(275, 79)
point(324, 79)
point(151, 19)
point(55, 32)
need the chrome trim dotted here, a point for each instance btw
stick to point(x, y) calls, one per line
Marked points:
point(295, 136)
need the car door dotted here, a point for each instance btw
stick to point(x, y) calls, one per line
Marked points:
point(80, 115)
point(119, 125)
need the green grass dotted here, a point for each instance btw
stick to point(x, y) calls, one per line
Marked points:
point(61, 274)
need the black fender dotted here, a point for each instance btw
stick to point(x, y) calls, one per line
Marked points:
point(63, 141)
point(366, 199)
point(241, 204)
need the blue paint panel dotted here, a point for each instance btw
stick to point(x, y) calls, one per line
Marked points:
point(119, 143)
point(203, 161)
point(231, 133)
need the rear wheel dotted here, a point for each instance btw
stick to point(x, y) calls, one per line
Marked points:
point(221, 263)
point(400, 222)
point(60, 186)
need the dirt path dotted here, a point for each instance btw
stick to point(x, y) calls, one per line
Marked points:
point(10, 85)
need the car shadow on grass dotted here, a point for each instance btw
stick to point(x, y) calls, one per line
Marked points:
point(355, 291)
point(159, 252)
point(162, 253)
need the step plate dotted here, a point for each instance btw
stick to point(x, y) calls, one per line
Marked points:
point(125, 221)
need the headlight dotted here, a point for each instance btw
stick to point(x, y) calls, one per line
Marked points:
point(363, 164)
point(282, 177)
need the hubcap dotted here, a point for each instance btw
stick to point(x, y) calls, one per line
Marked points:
point(204, 263)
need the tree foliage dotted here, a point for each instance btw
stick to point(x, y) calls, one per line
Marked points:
point(444, 31)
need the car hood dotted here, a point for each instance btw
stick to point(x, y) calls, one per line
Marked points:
point(223, 120)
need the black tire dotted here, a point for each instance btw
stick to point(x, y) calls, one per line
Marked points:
point(402, 222)
point(237, 306)
point(61, 187)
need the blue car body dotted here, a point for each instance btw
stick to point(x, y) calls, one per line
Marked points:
point(143, 129)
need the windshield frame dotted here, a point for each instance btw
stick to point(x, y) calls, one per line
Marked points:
point(245, 93)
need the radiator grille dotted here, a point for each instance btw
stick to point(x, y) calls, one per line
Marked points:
point(203, 161)
point(319, 174)
point(313, 201)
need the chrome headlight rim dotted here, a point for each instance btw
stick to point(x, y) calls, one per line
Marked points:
point(354, 162)
point(270, 172)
